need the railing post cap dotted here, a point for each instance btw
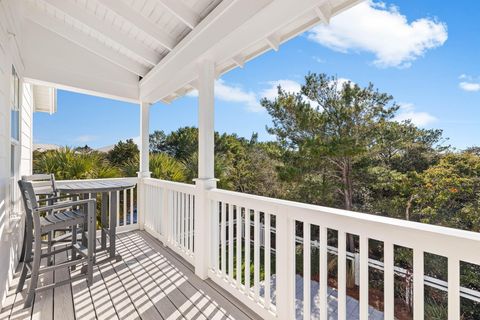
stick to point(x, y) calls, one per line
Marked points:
point(207, 183)
point(144, 174)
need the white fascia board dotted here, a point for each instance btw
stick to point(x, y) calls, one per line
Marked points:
point(260, 25)
point(44, 99)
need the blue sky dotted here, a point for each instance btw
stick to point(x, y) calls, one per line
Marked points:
point(425, 53)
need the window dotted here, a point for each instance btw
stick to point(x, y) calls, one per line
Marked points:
point(15, 106)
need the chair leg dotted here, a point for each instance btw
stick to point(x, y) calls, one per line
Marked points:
point(22, 255)
point(49, 248)
point(37, 257)
point(74, 240)
point(91, 245)
point(27, 257)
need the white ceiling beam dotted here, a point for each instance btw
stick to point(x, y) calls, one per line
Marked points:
point(324, 13)
point(232, 28)
point(141, 22)
point(225, 18)
point(78, 37)
point(180, 10)
point(274, 42)
point(239, 60)
point(91, 20)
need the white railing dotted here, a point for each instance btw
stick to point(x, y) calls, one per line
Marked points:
point(169, 214)
point(291, 220)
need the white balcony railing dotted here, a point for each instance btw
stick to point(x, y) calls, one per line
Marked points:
point(263, 274)
point(170, 213)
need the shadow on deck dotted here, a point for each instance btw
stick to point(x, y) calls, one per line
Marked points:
point(151, 282)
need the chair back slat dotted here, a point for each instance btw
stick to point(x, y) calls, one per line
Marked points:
point(43, 184)
point(29, 199)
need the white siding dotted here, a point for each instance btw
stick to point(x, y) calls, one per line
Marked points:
point(11, 230)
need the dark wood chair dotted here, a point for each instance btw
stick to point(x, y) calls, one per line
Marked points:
point(47, 194)
point(61, 215)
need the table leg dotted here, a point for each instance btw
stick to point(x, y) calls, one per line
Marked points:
point(104, 220)
point(85, 224)
point(112, 223)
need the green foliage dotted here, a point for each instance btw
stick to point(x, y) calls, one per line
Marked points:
point(69, 164)
point(165, 167)
point(123, 152)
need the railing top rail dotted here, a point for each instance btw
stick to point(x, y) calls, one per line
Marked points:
point(102, 179)
point(176, 186)
point(464, 245)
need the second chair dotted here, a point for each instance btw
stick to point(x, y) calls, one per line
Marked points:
point(62, 215)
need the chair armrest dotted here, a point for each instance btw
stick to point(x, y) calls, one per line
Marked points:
point(67, 196)
point(65, 204)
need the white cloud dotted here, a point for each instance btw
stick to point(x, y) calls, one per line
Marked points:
point(469, 86)
point(236, 94)
point(233, 93)
point(382, 30)
point(85, 138)
point(287, 85)
point(407, 112)
point(469, 83)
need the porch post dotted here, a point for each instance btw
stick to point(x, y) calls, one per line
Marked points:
point(144, 170)
point(206, 176)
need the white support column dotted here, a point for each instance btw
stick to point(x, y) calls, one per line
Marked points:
point(206, 176)
point(144, 171)
point(144, 140)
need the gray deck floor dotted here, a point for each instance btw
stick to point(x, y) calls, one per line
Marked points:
point(150, 282)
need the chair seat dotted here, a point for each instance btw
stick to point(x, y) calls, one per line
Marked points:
point(60, 220)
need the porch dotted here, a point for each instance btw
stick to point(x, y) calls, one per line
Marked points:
point(265, 258)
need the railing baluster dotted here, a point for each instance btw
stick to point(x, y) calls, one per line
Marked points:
point(267, 260)
point(118, 207)
point(418, 284)
point(175, 216)
point(256, 254)
point(389, 289)
point(363, 277)
point(306, 270)
point(182, 219)
point(125, 206)
point(230, 241)
point(191, 228)
point(247, 250)
point(215, 238)
point(342, 272)
point(323, 273)
point(223, 231)
point(131, 205)
point(453, 288)
point(239, 245)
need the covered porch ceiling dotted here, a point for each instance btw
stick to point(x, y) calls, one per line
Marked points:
point(149, 50)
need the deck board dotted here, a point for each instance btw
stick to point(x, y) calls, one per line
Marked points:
point(150, 282)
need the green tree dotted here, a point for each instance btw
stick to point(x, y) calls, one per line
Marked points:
point(326, 130)
point(123, 152)
point(449, 193)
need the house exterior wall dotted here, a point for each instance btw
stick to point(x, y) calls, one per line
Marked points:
point(11, 213)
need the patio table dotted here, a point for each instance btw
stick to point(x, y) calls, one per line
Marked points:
point(109, 224)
